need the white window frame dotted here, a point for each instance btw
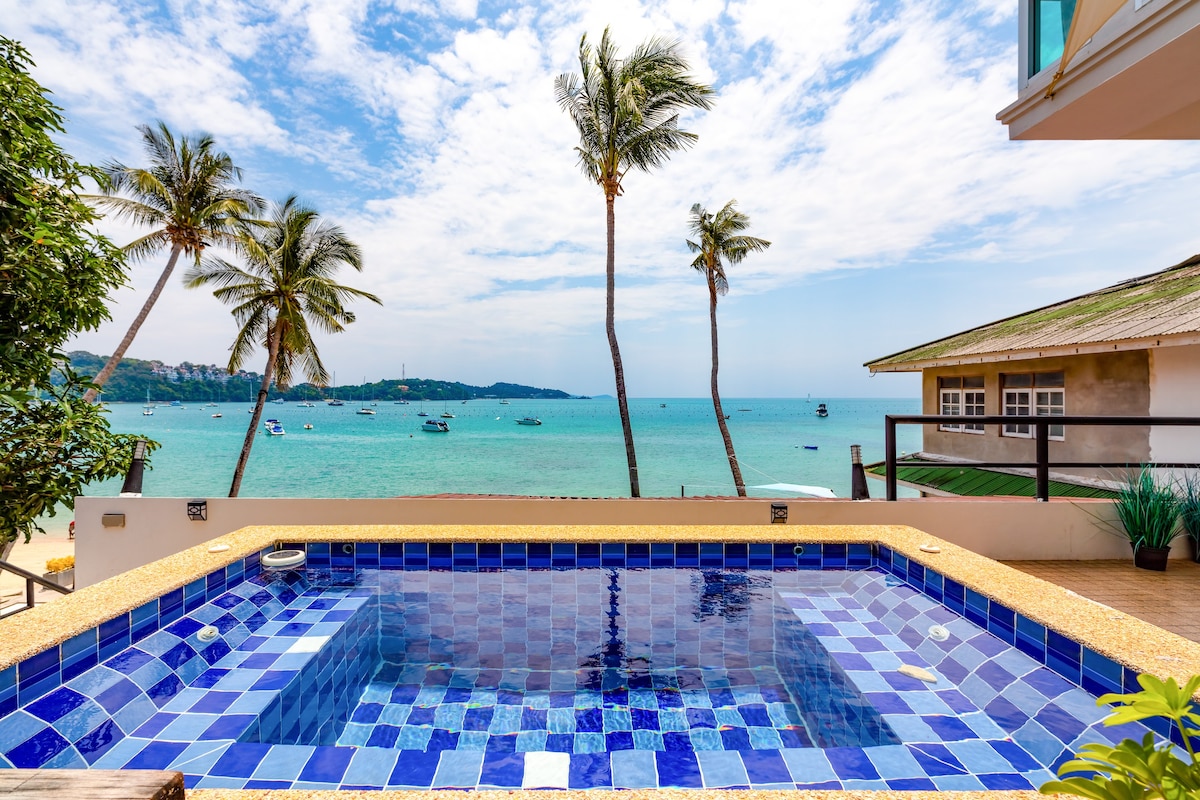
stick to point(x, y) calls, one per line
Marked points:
point(1030, 398)
point(974, 405)
point(1017, 399)
point(950, 399)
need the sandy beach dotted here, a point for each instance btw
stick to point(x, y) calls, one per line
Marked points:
point(33, 556)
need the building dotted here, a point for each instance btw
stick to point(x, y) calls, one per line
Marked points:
point(1132, 349)
point(1130, 70)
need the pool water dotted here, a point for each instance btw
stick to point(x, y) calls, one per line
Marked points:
point(603, 659)
point(427, 676)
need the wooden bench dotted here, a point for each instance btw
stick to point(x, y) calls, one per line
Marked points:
point(94, 784)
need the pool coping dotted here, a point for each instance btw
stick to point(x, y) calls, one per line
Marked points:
point(1121, 637)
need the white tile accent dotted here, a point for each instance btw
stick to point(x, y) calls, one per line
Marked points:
point(308, 644)
point(547, 771)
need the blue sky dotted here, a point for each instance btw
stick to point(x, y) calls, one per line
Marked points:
point(860, 138)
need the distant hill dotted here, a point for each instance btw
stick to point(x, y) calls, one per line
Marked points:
point(188, 382)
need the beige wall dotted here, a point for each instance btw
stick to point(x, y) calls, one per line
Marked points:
point(1175, 392)
point(1116, 384)
point(1002, 529)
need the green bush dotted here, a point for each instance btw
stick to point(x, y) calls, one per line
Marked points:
point(1135, 770)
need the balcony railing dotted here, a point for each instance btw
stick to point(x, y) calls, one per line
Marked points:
point(1041, 435)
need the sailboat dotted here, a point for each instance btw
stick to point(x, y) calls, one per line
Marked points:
point(147, 410)
point(370, 412)
point(446, 412)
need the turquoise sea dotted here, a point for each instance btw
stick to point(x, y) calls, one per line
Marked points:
point(577, 452)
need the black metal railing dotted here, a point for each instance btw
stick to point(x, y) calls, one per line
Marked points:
point(30, 580)
point(1040, 428)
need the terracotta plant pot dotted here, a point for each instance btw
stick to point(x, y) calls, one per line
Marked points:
point(1154, 558)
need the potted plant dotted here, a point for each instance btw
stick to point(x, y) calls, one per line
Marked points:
point(1149, 513)
point(61, 571)
point(1189, 512)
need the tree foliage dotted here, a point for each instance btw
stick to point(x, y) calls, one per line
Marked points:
point(285, 292)
point(55, 275)
point(627, 113)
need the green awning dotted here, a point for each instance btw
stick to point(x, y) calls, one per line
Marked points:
point(974, 482)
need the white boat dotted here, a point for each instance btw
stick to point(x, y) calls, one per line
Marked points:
point(400, 402)
point(217, 415)
point(147, 410)
point(308, 426)
point(822, 411)
point(334, 402)
point(274, 428)
point(422, 413)
point(370, 412)
point(529, 421)
point(435, 426)
point(278, 401)
point(447, 415)
point(305, 404)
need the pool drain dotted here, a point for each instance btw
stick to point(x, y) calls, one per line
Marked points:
point(207, 633)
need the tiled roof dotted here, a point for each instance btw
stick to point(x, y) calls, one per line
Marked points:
point(1164, 303)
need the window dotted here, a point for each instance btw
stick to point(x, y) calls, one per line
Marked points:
point(961, 397)
point(1050, 20)
point(1041, 394)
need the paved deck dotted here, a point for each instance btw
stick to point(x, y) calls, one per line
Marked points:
point(1170, 600)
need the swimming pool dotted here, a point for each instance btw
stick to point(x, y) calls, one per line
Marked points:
point(564, 665)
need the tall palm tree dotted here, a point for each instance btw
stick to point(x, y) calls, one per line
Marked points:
point(627, 113)
point(719, 241)
point(285, 290)
point(186, 195)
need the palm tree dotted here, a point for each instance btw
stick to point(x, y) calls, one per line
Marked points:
point(720, 242)
point(627, 113)
point(186, 195)
point(285, 289)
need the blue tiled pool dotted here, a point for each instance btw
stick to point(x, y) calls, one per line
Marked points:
point(566, 666)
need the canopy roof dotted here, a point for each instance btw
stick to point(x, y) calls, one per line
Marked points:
point(1154, 310)
point(797, 488)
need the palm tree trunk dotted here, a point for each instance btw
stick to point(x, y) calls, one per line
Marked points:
point(610, 327)
point(115, 359)
point(738, 483)
point(263, 389)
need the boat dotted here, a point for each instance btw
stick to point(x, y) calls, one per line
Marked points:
point(210, 405)
point(810, 447)
point(822, 411)
point(447, 415)
point(370, 412)
point(529, 421)
point(662, 405)
point(217, 415)
point(274, 428)
point(435, 426)
point(400, 402)
point(305, 404)
point(176, 404)
point(278, 401)
point(334, 402)
point(308, 426)
point(745, 409)
point(147, 410)
point(362, 405)
point(503, 402)
point(422, 413)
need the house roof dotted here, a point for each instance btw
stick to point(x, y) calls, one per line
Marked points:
point(1134, 314)
point(975, 482)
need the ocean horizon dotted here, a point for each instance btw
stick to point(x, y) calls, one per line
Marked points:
point(577, 451)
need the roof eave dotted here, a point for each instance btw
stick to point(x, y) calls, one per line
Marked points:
point(1087, 348)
